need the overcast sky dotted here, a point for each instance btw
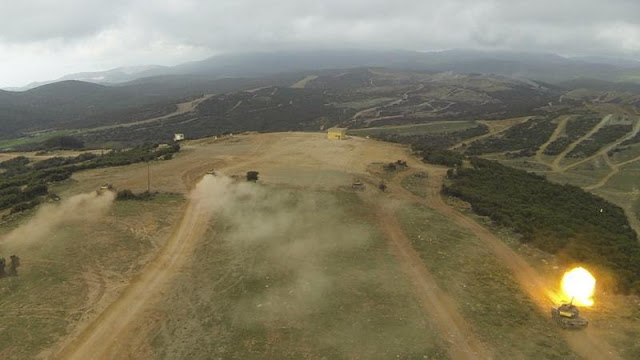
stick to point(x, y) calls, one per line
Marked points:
point(45, 39)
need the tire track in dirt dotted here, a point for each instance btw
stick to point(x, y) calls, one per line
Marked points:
point(555, 165)
point(182, 108)
point(562, 124)
point(114, 325)
point(587, 343)
point(462, 342)
point(605, 150)
point(615, 168)
point(492, 132)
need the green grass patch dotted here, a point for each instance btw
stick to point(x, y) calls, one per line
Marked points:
point(60, 269)
point(36, 138)
point(488, 296)
point(416, 184)
point(291, 279)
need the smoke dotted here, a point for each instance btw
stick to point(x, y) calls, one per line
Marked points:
point(284, 242)
point(79, 208)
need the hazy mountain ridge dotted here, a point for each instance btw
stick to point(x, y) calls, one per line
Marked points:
point(537, 66)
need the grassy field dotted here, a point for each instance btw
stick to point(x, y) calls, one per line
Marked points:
point(488, 296)
point(416, 184)
point(73, 255)
point(313, 286)
point(8, 144)
point(416, 129)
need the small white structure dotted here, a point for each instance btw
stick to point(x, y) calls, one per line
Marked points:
point(178, 137)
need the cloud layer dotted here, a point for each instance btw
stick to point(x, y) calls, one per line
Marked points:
point(42, 39)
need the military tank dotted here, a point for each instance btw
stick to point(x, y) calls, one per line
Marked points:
point(568, 316)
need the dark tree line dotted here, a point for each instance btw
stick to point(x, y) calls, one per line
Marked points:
point(559, 219)
point(23, 183)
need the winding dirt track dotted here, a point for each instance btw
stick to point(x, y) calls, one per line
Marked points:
point(555, 165)
point(588, 343)
point(562, 124)
point(463, 344)
point(182, 108)
point(113, 325)
point(605, 150)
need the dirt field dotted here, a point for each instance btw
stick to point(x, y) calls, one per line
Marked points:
point(302, 266)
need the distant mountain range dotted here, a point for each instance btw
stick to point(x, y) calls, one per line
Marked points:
point(128, 94)
point(535, 66)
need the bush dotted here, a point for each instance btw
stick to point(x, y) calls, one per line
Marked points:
point(126, 194)
point(24, 206)
point(252, 176)
point(442, 157)
point(63, 142)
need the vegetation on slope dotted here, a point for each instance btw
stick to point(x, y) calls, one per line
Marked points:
point(22, 183)
point(526, 137)
point(433, 141)
point(560, 219)
point(576, 127)
point(604, 136)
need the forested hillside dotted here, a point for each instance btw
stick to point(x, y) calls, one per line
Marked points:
point(560, 219)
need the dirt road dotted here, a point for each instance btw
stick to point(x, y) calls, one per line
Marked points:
point(562, 124)
point(555, 165)
point(113, 326)
point(587, 344)
point(463, 344)
point(183, 108)
point(301, 84)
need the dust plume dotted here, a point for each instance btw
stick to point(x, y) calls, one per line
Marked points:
point(284, 240)
point(79, 208)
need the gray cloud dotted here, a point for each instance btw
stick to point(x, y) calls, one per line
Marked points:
point(73, 35)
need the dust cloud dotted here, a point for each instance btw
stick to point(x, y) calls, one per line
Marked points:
point(284, 241)
point(79, 208)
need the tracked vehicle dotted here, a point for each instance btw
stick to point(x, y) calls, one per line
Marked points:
point(568, 316)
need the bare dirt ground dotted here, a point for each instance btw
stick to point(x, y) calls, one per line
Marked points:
point(305, 161)
point(111, 328)
point(304, 81)
point(316, 162)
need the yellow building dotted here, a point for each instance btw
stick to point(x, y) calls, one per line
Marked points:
point(337, 134)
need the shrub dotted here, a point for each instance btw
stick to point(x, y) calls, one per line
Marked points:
point(63, 142)
point(252, 176)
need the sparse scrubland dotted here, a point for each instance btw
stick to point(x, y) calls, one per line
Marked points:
point(23, 183)
point(76, 255)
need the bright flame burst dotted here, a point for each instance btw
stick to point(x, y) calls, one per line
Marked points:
point(579, 284)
